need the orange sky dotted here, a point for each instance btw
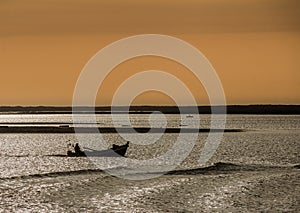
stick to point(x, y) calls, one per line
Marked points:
point(254, 46)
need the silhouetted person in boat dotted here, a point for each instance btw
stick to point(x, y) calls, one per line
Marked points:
point(77, 149)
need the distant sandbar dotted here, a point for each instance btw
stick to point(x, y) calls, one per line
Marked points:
point(231, 109)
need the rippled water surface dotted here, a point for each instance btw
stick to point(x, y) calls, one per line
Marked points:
point(252, 170)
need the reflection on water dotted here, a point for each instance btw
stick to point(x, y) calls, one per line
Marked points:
point(258, 174)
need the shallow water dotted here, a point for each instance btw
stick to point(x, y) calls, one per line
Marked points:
point(257, 173)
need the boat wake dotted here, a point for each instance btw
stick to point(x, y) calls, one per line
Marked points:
point(217, 168)
point(222, 167)
point(56, 174)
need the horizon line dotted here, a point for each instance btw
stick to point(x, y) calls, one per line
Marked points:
point(105, 106)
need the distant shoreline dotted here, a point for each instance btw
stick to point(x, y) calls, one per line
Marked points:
point(70, 130)
point(231, 109)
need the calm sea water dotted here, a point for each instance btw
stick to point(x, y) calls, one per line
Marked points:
point(253, 170)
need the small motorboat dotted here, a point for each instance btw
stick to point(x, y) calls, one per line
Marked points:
point(115, 151)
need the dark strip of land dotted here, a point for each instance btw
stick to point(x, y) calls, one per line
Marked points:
point(44, 123)
point(51, 129)
point(232, 109)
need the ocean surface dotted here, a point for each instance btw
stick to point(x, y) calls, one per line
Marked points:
point(256, 169)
